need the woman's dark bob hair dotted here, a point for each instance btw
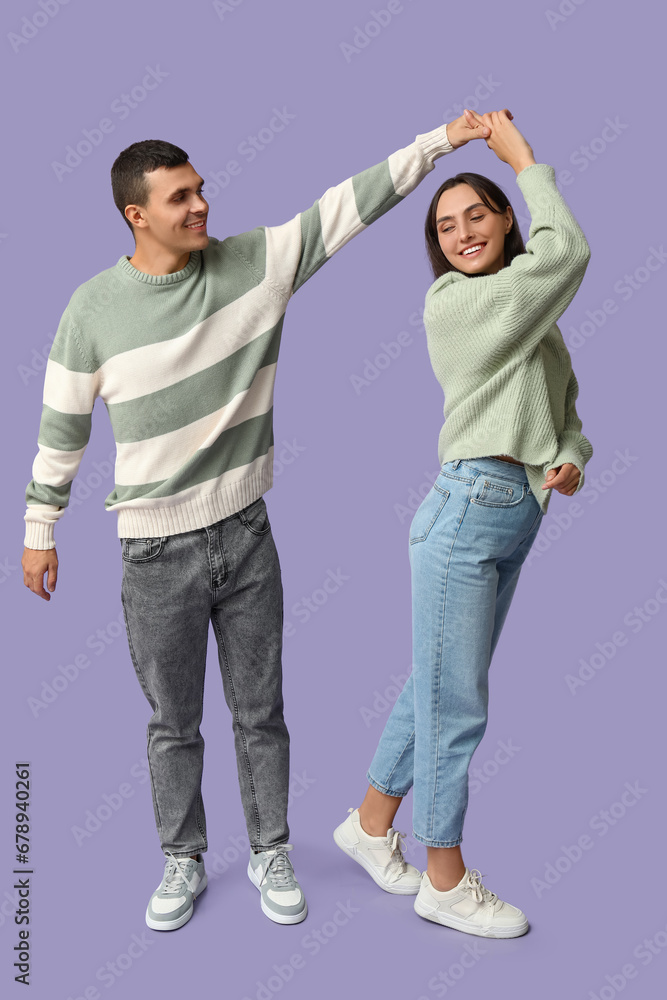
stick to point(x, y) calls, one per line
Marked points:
point(489, 193)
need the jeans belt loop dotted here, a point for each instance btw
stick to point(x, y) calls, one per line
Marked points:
point(456, 463)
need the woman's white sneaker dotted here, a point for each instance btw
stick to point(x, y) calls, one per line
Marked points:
point(471, 908)
point(382, 857)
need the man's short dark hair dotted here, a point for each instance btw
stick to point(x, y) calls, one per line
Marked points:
point(129, 183)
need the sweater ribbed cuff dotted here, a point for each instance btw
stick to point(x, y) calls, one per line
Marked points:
point(574, 459)
point(435, 144)
point(39, 535)
point(535, 180)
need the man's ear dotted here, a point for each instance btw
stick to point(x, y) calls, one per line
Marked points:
point(135, 215)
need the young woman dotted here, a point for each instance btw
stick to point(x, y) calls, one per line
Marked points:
point(511, 436)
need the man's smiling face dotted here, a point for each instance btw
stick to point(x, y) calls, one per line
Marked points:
point(175, 215)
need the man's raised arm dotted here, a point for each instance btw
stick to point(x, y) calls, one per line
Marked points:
point(297, 249)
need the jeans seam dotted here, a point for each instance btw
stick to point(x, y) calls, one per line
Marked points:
point(532, 527)
point(400, 756)
point(216, 625)
point(429, 842)
point(200, 802)
point(384, 788)
point(148, 733)
point(439, 667)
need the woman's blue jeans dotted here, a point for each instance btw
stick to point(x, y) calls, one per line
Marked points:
point(468, 540)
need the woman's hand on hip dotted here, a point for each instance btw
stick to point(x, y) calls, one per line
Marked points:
point(564, 479)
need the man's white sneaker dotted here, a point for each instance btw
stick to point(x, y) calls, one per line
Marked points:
point(172, 903)
point(471, 908)
point(282, 897)
point(382, 857)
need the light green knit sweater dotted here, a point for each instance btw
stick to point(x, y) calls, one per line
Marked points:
point(497, 351)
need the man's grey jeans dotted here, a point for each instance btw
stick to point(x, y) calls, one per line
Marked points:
point(227, 573)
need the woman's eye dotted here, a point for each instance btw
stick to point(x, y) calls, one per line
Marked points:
point(474, 218)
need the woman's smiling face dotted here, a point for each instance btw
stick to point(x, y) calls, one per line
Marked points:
point(463, 221)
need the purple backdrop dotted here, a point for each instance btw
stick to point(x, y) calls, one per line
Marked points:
point(566, 815)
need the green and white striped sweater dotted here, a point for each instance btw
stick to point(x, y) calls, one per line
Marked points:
point(185, 363)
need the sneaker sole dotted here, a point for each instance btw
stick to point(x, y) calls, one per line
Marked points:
point(278, 918)
point(173, 925)
point(489, 930)
point(367, 866)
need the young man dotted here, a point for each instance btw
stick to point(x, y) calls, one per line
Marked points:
point(181, 342)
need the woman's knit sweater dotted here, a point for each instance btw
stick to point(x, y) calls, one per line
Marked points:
point(498, 354)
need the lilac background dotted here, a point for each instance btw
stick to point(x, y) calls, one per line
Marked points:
point(337, 505)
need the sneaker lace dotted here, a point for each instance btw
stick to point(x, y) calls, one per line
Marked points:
point(176, 874)
point(279, 869)
point(396, 845)
point(480, 892)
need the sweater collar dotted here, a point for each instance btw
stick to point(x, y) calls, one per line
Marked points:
point(160, 279)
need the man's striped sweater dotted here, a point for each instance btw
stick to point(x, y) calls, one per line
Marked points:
point(185, 363)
